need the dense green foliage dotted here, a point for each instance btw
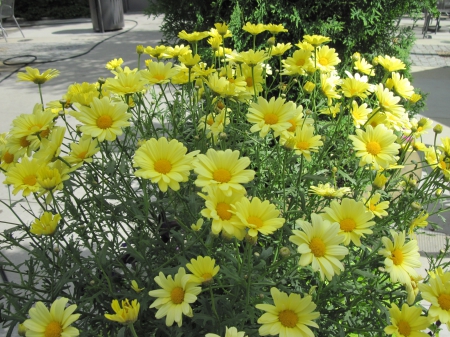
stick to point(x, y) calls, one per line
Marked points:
point(37, 9)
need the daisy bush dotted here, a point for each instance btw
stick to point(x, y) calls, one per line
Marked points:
point(271, 191)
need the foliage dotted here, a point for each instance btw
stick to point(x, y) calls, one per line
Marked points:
point(36, 10)
point(120, 223)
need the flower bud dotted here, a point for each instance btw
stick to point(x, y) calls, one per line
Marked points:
point(101, 80)
point(22, 330)
point(379, 181)
point(356, 56)
point(375, 61)
point(261, 296)
point(285, 252)
point(412, 183)
point(256, 254)
point(438, 192)
point(271, 41)
point(438, 128)
point(251, 239)
point(92, 282)
point(389, 83)
point(223, 135)
point(309, 87)
point(415, 98)
point(334, 169)
point(226, 237)
point(416, 205)
point(140, 49)
point(56, 249)
point(283, 95)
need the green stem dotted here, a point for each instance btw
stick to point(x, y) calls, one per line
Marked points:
point(133, 332)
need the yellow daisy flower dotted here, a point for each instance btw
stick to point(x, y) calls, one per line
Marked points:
point(46, 224)
point(421, 126)
point(412, 289)
point(316, 40)
point(50, 147)
point(376, 207)
point(125, 83)
point(175, 297)
point(156, 52)
point(390, 64)
point(304, 45)
point(328, 83)
point(407, 323)
point(223, 168)
point(203, 269)
point(163, 162)
point(355, 86)
point(359, 114)
point(215, 42)
point(304, 141)
point(159, 72)
point(254, 29)
point(309, 87)
point(375, 146)
point(178, 50)
point(326, 58)
point(331, 110)
point(229, 332)
point(222, 29)
point(364, 67)
point(213, 125)
point(223, 87)
point(258, 216)
point(419, 221)
point(253, 58)
point(275, 29)
point(23, 176)
point(127, 314)
point(400, 258)
point(33, 75)
point(271, 115)
point(113, 64)
point(254, 81)
point(319, 245)
point(197, 226)
point(82, 152)
point(328, 191)
point(219, 209)
point(83, 93)
point(352, 217)
point(103, 119)
point(32, 124)
point(56, 322)
point(189, 60)
point(415, 98)
point(289, 316)
point(192, 37)
point(298, 63)
point(437, 292)
point(401, 85)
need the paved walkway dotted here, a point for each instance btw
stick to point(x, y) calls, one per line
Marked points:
point(80, 54)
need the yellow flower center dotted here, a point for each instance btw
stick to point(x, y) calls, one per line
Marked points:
point(347, 225)
point(397, 257)
point(249, 81)
point(442, 165)
point(53, 329)
point(35, 128)
point(223, 210)
point(177, 295)
point(294, 125)
point(373, 148)
point(222, 175)
point(404, 328)
point(419, 129)
point(207, 277)
point(24, 142)
point(323, 61)
point(255, 221)
point(104, 122)
point(8, 158)
point(210, 121)
point(317, 247)
point(160, 77)
point(300, 62)
point(288, 318)
point(82, 154)
point(162, 166)
point(444, 301)
point(372, 207)
point(271, 118)
point(302, 145)
point(29, 180)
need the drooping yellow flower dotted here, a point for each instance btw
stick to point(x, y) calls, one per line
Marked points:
point(203, 269)
point(391, 64)
point(50, 147)
point(178, 50)
point(159, 72)
point(23, 176)
point(415, 98)
point(229, 332)
point(375, 146)
point(254, 29)
point(165, 163)
point(407, 323)
point(215, 42)
point(412, 289)
point(53, 323)
point(213, 125)
point(419, 221)
point(258, 216)
point(33, 75)
point(379, 181)
point(219, 209)
point(304, 142)
point(309, 87)
point(83, 93)
point(400, 258)
point(376, 207)
point(46, 224)
point(223, 168)
point(189, 60)
point(221, 86)
point(135, 286)
point(82, 152)
point(332, 110)
point(275, 29)
point(113, 64)
point(352, 217)
point(32, 124)
point(328, 191)
point(198, 225)
point(271, 115)
point(328, 83)
point(289, 316)
point(127, 314)
point(401, 85)
point(319, 244)
point(316, 40)
point(222, 29)
point(192, 37)
point(104, 119)
point(326, 58)
point(359, 114)
point(157, 52)
point(421, 126)
point(304, 46)
point(364, 67)
point(253, 58)
point(175, 297)
point(126, 83)
point(437, 292)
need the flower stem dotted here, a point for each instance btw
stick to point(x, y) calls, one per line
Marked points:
point(133, 332)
